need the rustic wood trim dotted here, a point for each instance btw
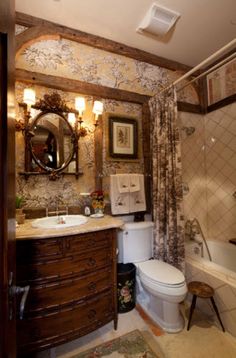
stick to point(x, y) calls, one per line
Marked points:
point(70, 85)
point(47, 27)
point(146, 129)
point(189, 107)
point(98, 152)
point(7, 181)
point(224, 102)
point(99, 91)
point(203, 94)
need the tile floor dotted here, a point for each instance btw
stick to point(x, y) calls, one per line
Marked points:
point(203, 340)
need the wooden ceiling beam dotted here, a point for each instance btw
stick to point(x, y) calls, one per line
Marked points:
point(95, 41)
point(70, 85)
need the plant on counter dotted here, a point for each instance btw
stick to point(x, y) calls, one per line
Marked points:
point(19, 201)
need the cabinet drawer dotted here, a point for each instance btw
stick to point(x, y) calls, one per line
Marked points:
point(64, 292)
point(57, 327)
point(89, 241)
point(44, 249)
point(73, 265)
point(31, 250)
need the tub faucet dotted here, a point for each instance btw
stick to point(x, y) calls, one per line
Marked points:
point(192, 227)
point(188, 230)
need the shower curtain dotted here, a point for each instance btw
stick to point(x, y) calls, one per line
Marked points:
point(167, 180)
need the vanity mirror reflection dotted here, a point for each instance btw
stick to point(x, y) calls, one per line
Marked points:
point(51, 142)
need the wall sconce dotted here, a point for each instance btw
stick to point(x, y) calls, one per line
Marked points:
point(29, 97)
point(97, 110)
point(28, 101)
point(74, 117)
point(80, 107)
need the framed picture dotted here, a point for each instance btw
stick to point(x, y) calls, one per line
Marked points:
point(123, 138)
point(221, 83)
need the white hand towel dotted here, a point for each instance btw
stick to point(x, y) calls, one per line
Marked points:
point(123, 183)
point(119, 202)
point(134, 182)
point(137, 199)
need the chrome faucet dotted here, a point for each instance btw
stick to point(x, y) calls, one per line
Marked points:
point(58, 211)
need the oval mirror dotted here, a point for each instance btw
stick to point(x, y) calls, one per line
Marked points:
point(52, 142)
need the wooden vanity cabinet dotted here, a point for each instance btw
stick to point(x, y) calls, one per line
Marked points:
point(72, 288)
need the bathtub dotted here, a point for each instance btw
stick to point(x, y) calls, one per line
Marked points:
point(220, 273)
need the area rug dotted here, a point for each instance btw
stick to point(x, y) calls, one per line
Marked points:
point(131, 345)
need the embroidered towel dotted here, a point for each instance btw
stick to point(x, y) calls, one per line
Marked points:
point(137, 200)
point(134, 182)
point(119, 201)
point(123, 183)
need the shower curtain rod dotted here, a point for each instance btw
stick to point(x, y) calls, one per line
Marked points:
point(194, 69)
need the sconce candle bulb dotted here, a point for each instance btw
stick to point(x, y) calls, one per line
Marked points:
point(71, 119)
point(80, 105)
point(29, 96)
point(97, 109)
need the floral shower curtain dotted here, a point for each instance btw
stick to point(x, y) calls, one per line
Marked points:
point(167, 180)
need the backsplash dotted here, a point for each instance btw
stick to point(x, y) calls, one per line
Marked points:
point(209, 170)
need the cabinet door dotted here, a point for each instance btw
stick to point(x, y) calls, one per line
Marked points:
point(7, 180)
point(70, 266)
point(66, 324)
point(58, 294)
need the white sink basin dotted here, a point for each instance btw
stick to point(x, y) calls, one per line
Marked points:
point(59, 222)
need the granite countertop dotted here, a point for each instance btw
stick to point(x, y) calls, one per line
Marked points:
point(26, 231)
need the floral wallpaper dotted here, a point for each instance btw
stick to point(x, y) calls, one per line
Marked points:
point(39, 191)
point(61, 57)
point(19, 29)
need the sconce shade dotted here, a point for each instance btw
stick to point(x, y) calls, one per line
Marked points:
point(98, 107)
point(71, 119)
point(79, 104)
point(29, 96)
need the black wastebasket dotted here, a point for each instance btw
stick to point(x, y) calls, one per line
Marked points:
point(126, 287)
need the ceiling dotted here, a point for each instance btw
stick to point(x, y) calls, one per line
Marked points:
point(203, 28)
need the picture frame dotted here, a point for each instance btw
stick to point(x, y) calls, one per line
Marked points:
point(123, 138)
point(220, 84)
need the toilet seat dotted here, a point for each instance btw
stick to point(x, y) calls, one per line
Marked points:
point(161, 273)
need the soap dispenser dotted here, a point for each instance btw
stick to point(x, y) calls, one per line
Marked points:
point(87, 211)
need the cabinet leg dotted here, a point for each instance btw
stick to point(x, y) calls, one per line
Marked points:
point(115, 323)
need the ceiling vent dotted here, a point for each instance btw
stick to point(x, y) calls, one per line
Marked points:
point(158, 20)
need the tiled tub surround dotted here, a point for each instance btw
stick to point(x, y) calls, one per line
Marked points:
point(222, 279)
point(209, 170)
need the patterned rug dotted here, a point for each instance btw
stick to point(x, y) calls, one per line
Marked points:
point(131, 345)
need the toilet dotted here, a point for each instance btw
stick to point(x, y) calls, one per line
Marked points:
point(160, 287)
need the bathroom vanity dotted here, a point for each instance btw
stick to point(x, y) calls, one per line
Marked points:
point(72, 277)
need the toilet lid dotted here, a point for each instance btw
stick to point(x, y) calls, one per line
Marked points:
point(159, 271)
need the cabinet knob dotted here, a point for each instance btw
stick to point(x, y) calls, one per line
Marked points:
point(91, 262)
point(92, 286)
point(92, 314)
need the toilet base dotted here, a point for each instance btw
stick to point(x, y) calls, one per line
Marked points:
point(165, 314)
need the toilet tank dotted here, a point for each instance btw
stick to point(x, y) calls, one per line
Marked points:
point(135, 242)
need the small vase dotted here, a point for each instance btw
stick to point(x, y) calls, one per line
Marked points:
point(98, 211)
point(20, 217)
